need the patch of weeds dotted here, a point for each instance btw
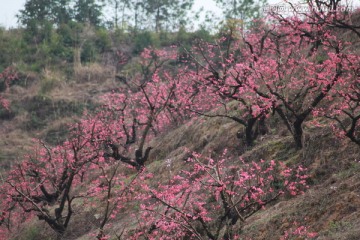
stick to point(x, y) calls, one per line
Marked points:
point(158, 154)
point(49, 80)
point(321, 58)
point(42, 110)
point(353, 168)
point(287, 153)
point(47, 85)
point(57, 135)
point(5, 157)
point(156, 164)
point(338, 226)
point(31, 233)
point(136, 207)
point(322, 205)
point(6, 114)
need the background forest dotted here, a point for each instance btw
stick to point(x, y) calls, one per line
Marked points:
point(122, 120)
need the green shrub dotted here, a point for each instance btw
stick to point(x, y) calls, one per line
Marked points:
point(89, 52)
point(103, 40)
point(57, 135)
point(31, 233)
point(144, 40)
point(6, 114)
point(42, 109)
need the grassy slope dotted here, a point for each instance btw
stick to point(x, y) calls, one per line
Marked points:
point(42, 106)
point(329, 207)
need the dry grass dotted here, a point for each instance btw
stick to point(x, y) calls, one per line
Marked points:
point(50, 84)
point(13, 144)
point(50, 79)
point(93, 73)
point(330, 207)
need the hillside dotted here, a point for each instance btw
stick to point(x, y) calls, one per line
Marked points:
point(328, 207)
point(44, 104)
point(252, 132)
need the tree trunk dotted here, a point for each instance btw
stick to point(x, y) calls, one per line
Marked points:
point(298, 132)
point(157, 21)
point(249, 132)
point(77, 57)
point(261, 127)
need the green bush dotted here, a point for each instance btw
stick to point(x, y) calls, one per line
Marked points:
point(89, 52)
point(57, 135)
point(103, 40)
point(31, 233)
point(11, 47)
point(6, 114)
point(42, 109)
point(144, 40)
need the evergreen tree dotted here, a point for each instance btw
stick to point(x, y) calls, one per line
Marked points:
point(166, 11)
point(89, 11)
point(39, 10)
point(61, 11)
point(244, 10)
point(120, 11)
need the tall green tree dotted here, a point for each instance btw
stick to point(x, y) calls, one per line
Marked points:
point(36, 16)
point(89, 11)
point(41, 11)
point(121, 9)
point(61, 11)
point(138, 13)
point(35, 10)
point(241, 9)
point(165, 12)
